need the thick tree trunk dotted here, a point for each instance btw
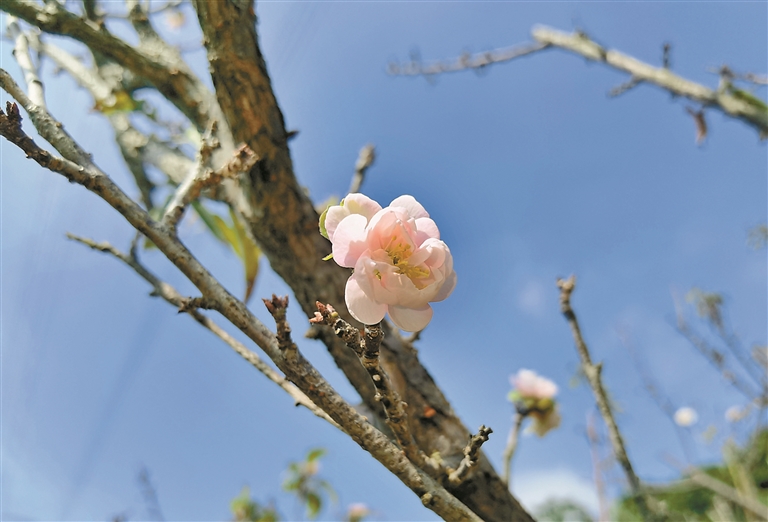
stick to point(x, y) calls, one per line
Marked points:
point(284, 222)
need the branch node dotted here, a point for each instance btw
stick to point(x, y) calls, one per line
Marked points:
point(189, 304)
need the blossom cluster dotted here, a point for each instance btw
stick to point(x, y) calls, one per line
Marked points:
point(400, 264)
point(534, 395)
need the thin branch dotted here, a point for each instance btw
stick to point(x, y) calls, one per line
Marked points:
point(580, 43)
point(624, 87)
point(24, 59)
point(298, 370)
point(592, 372)
point(364, 160)
point(471, 455)
point(190, 190)
point(714, 356)
point(464, 62)
point(509, 450)
point(172, 296)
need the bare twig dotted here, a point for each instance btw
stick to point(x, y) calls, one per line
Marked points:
point(190, 190)
point(624, 87)
point(509, 451)
point(364, 161)
point(592, 372)
point(464, 62)
point(367, 349)
point(714, 356)
point(471, 455)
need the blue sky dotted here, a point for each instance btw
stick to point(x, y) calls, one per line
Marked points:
point(530, 172)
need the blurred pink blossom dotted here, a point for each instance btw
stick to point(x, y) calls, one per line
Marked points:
point(530, 385)
point(400, 264)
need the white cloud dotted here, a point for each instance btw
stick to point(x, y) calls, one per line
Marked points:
point(535, 488)
point(531, 299)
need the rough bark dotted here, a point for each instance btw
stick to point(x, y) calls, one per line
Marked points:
point(284, 222)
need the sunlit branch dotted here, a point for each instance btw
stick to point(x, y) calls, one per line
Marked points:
point(23, 57)
point(729, 102)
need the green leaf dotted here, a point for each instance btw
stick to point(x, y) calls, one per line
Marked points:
point(315, 454)
point(314, 504)
point(323, 231)
point(121, 101)
point(328, 257)
point(207, 217)
point(250, 255)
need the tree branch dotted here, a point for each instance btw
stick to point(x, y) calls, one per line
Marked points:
point(296, 368)
point(594, 378)
point(465, 61)
point(471, 454)
point(509, 450)
point(24, 59)
point(169, 293)
point(364, 160)
point(753, 113)
point(172, 78)
point(733, 106)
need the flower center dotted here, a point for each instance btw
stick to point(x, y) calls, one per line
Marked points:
point(399, 252)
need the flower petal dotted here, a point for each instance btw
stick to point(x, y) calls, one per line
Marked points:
point(349, 240)
point(448, 285)
point(414, 208)
point(410, 319)
point(360, 306)
point(361, 204)
point(426, 228)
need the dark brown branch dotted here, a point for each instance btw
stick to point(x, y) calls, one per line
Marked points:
point(592, 372)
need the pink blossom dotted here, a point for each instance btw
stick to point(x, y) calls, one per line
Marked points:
point(400, 264)
point(532, 386)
